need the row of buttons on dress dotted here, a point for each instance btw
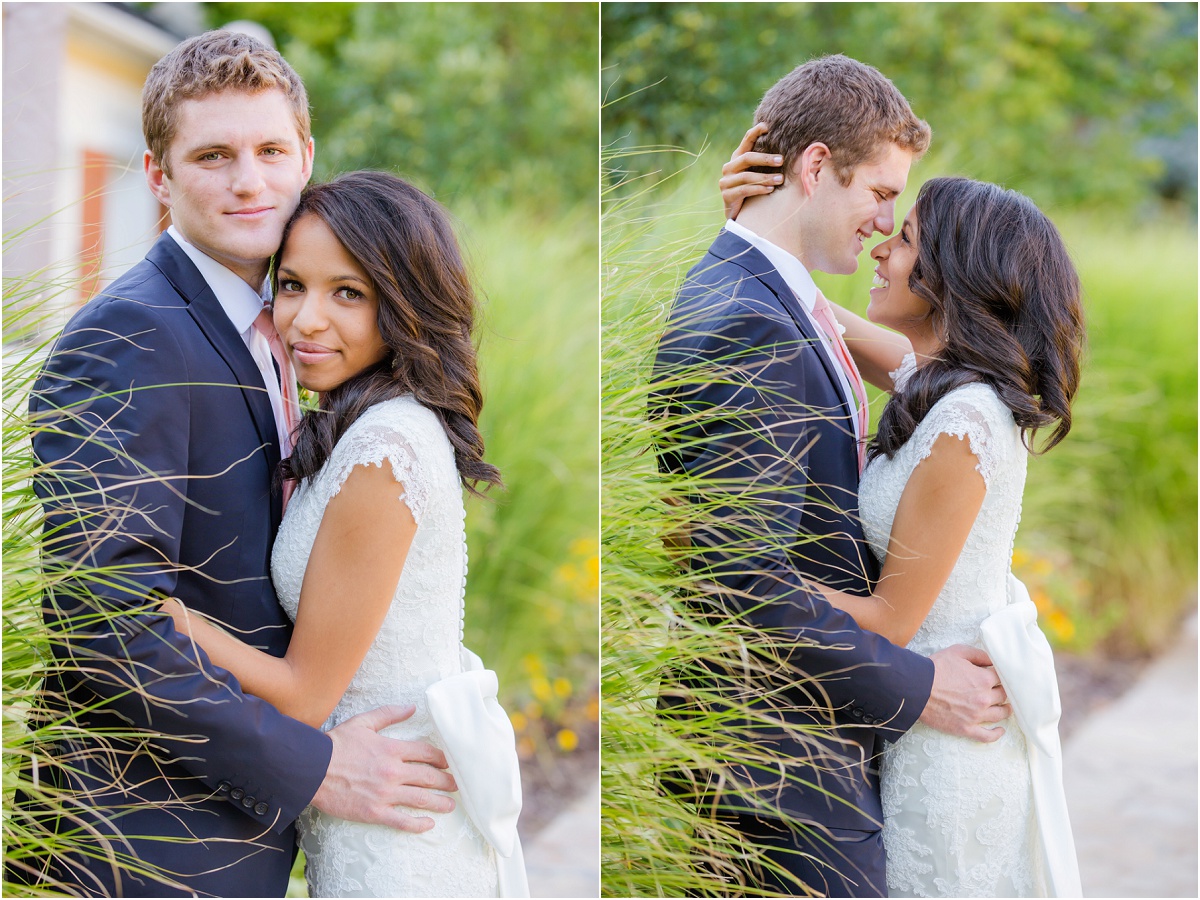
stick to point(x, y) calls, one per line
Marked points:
point(237, 794)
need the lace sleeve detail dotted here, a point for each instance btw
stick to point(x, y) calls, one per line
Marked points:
point(973, 412)
point(903, 372)
point(389, 431)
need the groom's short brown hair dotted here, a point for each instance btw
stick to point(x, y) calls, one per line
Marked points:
point(849, 106)
point(207, 64)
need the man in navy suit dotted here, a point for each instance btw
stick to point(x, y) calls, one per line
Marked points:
point(159, 423)
point(753, 396)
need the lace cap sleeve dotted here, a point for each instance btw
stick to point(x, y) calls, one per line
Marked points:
point(903, 372)
point(976, 413)
point(391, 431)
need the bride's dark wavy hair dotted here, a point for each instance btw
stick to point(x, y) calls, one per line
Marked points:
point(1004, 301)
point(404, 242)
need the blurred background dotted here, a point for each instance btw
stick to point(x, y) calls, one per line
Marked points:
point(1090, 110)
point(490, 108)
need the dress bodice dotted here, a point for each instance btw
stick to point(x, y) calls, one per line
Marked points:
point(977, 585)
point(418, 642)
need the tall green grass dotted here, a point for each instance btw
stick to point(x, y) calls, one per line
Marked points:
point(533, 585)
point(1108, 537)
point(652, 843)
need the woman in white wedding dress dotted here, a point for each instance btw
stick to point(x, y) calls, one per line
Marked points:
point(375, 307)
point(988, 332)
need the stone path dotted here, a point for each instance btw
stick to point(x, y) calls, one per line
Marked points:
point(563, 859)
point(1130, 773)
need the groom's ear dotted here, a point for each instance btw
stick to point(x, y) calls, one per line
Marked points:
point(156, 179)
point(811, 166)
point(309, 152)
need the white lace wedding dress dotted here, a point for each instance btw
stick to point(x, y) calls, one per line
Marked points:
point(417, 644)
point(958, 815)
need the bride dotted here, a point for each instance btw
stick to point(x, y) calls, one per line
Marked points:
point(373, 304)
point(988, 330)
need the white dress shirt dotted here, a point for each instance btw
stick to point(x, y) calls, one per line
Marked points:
point(796, 277)
point(242, 305)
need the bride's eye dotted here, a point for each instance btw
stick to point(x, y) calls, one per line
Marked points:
point(289, 285)
point(350, 293)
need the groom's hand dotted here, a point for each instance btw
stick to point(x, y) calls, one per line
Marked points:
point(966, 695)
point(370, 775)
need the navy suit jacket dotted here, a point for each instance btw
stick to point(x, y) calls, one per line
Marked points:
point(159, 447)
point(748, 397)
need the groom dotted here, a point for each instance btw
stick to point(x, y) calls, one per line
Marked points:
point(160, 417)
point(756, 386)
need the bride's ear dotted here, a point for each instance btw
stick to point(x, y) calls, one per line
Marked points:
point(814, 163)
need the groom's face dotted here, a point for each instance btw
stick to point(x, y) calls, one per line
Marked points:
point(238, 165)
point(843, 216)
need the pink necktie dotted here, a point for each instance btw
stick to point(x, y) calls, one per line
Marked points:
point(824, 317)
point(265, 326)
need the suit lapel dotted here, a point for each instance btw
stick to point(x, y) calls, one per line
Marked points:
point(210, 317)
point(744, 255)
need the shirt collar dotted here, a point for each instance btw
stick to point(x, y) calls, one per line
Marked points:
point(241, 304)
point(791, 269)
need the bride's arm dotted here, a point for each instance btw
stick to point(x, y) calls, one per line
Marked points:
point(876, 350)
point(936, 512)
point(349, 583)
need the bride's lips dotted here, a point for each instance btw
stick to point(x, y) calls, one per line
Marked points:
point(310, 354)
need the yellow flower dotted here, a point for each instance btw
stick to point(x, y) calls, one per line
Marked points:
point(1019, 557)
point(1062, 626)
point(1042, 601)
point(532, 664)
point(1042, 566)
point(593, 709)
point(519, 722)
point(562, 687)
point(540, 687)
point(567, 740)
point(583, 547)
point(525, 748)
point(533, 709)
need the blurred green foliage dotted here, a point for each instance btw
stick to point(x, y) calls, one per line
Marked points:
point(472, 100)
point(1076, 104)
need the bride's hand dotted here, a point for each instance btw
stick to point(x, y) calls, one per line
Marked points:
point(737, 183)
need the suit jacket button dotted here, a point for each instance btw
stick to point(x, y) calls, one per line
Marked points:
point(856, 712)
point(223, 787)
point(237, 794)
point(261, 808)
point(248, 801)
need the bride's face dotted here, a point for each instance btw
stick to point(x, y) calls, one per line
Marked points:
point(326, 308)
point(893, 303)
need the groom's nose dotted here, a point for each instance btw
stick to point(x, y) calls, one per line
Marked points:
point(885, 217)
point(246, 178)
